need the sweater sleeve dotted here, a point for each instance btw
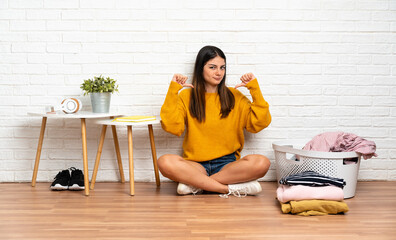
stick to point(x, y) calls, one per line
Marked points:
point(257, 113)
point(173, 111)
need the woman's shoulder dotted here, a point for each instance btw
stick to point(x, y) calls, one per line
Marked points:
point(236, 92)
point(185, 93)
point(240, 98)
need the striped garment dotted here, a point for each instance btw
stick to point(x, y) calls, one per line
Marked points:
point(311, 178)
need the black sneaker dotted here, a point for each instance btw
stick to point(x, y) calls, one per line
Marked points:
point(76, 180)
point(61, 181)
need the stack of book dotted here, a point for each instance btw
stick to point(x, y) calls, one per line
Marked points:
point(135, 119)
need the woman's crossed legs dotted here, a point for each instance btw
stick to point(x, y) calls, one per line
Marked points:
point(248, 168)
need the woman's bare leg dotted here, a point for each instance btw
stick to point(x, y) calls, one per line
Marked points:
point(192, 173)
point(248, 168)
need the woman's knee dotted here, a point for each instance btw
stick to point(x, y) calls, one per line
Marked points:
point(166, 163)
point(260, 164)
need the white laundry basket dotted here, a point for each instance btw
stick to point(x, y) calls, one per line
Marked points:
point(291, 159)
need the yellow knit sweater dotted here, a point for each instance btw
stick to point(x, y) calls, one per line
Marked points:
point(215, 137)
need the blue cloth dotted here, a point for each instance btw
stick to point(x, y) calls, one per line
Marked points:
point(215, 165)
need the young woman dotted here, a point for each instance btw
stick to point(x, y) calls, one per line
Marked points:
point(214, 117)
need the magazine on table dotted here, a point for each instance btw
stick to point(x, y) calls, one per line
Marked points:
point(137, 118)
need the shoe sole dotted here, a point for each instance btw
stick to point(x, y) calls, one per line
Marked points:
point(59, 187)
point(76, 187)
point(185, 190)
point(258, 189)
point(181, 190)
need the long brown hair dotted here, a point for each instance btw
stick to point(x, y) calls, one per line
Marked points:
point(197, 99)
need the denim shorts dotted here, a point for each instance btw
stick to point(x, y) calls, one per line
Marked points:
point(215, 165)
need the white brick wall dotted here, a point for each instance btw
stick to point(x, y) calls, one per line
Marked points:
point(323, 65)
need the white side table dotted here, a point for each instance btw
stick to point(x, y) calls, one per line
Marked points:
point(79, 115)
point(129, 125)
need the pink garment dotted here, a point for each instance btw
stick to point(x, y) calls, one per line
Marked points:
point(286, 193)
point(342, 142)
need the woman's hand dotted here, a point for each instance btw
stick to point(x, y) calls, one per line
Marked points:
point(181, 79)
point(246, 78)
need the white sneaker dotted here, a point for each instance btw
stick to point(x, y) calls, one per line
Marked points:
point(184, 189)
point(243, 189)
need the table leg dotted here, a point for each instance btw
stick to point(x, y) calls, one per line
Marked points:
point(130, 153)
point(154, 153)
point(117, 149)
point(38, 153)
point(85, 155)
point(98, 154)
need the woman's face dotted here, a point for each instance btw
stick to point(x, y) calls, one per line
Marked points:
point(213, 72)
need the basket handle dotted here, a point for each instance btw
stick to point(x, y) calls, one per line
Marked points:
point(290, 149)
point(314, 154)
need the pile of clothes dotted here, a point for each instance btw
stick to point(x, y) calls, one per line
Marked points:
point(342, 142)
point(311, 194)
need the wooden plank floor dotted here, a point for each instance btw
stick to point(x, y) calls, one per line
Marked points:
point(158, 213)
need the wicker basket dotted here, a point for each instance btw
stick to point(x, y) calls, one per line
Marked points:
point(291, 159)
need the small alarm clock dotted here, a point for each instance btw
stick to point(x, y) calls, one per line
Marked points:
point(71, 105)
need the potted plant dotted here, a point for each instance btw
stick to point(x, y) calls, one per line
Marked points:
point(100, 90)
